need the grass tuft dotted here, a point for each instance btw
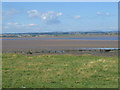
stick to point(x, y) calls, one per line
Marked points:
point(59, 71)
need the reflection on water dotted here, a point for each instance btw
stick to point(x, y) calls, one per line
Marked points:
point(97, 48)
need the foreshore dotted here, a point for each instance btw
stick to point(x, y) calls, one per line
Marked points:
point(36, 47)
point(58, 44)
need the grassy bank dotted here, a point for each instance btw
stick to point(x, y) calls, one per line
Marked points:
point(59, 71)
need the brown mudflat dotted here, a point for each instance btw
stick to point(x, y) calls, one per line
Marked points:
point(53, 46)
point(57, 44)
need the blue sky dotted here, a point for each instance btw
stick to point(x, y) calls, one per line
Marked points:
point(59, 16)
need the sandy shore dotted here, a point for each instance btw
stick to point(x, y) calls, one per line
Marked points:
point(58, 44)
point(59, 47)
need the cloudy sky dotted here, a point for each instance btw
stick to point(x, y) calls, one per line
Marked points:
point(25, 17)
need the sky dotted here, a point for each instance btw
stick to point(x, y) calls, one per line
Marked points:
point(25, 17)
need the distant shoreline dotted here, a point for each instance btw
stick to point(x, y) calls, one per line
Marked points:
point(63, 36)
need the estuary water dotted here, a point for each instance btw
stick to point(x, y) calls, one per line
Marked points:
point(80, 38)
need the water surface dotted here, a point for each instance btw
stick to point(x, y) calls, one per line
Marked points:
point(81, 38)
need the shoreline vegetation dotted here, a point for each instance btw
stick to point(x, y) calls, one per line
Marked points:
point(95, 52)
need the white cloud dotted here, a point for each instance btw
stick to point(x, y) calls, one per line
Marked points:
point(31, 25)
point(16, 25)
point(99, 13)
point(33, 13)
point(107, 13)
point(103, 13)
point(49, 17)
point(12, 23)
point(77, 17)
point(59, 14)
point(113, 28)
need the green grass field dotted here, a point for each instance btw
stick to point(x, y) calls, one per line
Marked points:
point(59, 71)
